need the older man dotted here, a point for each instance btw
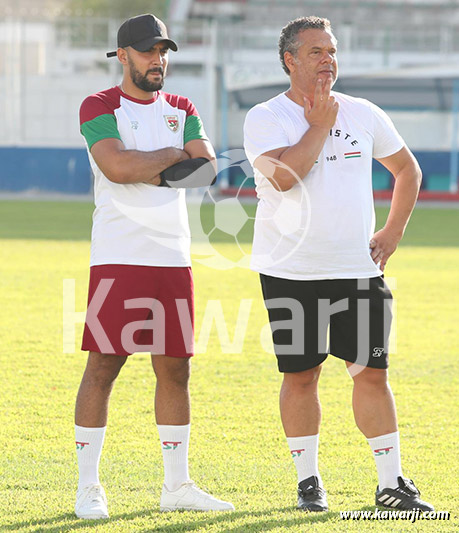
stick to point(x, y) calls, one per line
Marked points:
point(315, 143)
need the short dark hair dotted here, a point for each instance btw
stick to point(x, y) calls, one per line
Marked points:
point(288, 41)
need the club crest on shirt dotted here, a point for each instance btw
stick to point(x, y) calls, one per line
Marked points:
point(172, 122)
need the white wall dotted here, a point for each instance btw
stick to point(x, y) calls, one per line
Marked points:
point(43, 81)
point(425, 130)
point(48, 114)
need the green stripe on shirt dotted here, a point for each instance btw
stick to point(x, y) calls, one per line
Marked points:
point(101, 127)
point(194, 129)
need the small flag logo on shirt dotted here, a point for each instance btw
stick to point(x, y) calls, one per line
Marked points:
point(172, 122)
point(350, 155)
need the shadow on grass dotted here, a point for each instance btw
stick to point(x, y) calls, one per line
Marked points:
point(69, 522)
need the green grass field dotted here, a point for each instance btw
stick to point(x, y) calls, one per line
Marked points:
point(238, 450)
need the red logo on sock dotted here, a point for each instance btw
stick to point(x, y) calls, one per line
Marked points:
point(383, 451)
point(81, 445)
point(170, 445)
point(296, 453)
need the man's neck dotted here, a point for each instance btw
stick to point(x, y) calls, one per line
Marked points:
point(134, 92)
point(298, 96)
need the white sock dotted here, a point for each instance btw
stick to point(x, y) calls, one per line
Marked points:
point(386, 451)
point(305, 451)
point(89, 442)
point(174, 443)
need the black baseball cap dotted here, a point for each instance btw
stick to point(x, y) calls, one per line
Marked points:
point(142, 32)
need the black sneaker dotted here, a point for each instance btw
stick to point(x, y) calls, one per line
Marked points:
point(404, 497)
point(311, 497)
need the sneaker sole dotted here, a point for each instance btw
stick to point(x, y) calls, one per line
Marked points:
point(380, 506)
point(309, 510)
point(92, 517)
point(200, 510)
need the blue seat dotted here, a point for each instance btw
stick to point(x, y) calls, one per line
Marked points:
point(437, 182)
point(381, 181)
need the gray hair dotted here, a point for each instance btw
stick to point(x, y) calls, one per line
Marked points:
point(288, 41)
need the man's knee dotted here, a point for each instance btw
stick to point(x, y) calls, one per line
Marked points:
point(104, 369)
point(375, 377)
point(172, 370)
point(305, 378)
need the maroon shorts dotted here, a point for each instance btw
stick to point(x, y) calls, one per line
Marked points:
point(133, 308)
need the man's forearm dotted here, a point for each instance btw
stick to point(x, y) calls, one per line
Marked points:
point(134, 166)
point(302, 156)
point(299, 158)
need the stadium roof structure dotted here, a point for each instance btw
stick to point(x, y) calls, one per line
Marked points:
point(338, 11)
point(421, 88)
point(411, 89)
point(30, 8)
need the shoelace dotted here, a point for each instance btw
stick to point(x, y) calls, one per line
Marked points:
point(94, 494)
point(311, 491)
point(409, 486)
point(193, 485)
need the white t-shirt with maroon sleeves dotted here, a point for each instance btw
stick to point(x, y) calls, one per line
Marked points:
point(333, 205)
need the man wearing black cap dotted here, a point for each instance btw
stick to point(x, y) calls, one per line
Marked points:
point(145, 147)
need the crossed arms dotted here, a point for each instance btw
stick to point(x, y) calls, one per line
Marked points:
point(133, 166)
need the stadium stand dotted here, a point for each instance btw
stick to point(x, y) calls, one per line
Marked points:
point(401, 54)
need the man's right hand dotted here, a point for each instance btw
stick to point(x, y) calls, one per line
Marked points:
point(155, 180)
point(324, 110)
point(181, 155)
point(300, 158)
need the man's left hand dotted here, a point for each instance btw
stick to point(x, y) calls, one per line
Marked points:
point(383, 245)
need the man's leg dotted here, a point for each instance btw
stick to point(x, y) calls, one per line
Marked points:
point(91, 408)
point(373, 402)
point(375, 415)
point(172, 398)
point(172, 411)
point(301, 415)
point(91, 413)
point(299, 402)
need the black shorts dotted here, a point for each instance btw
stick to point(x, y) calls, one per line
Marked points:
point(357, 313)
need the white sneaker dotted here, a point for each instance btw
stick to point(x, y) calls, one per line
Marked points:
point(188, 496)
point(91, 502)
